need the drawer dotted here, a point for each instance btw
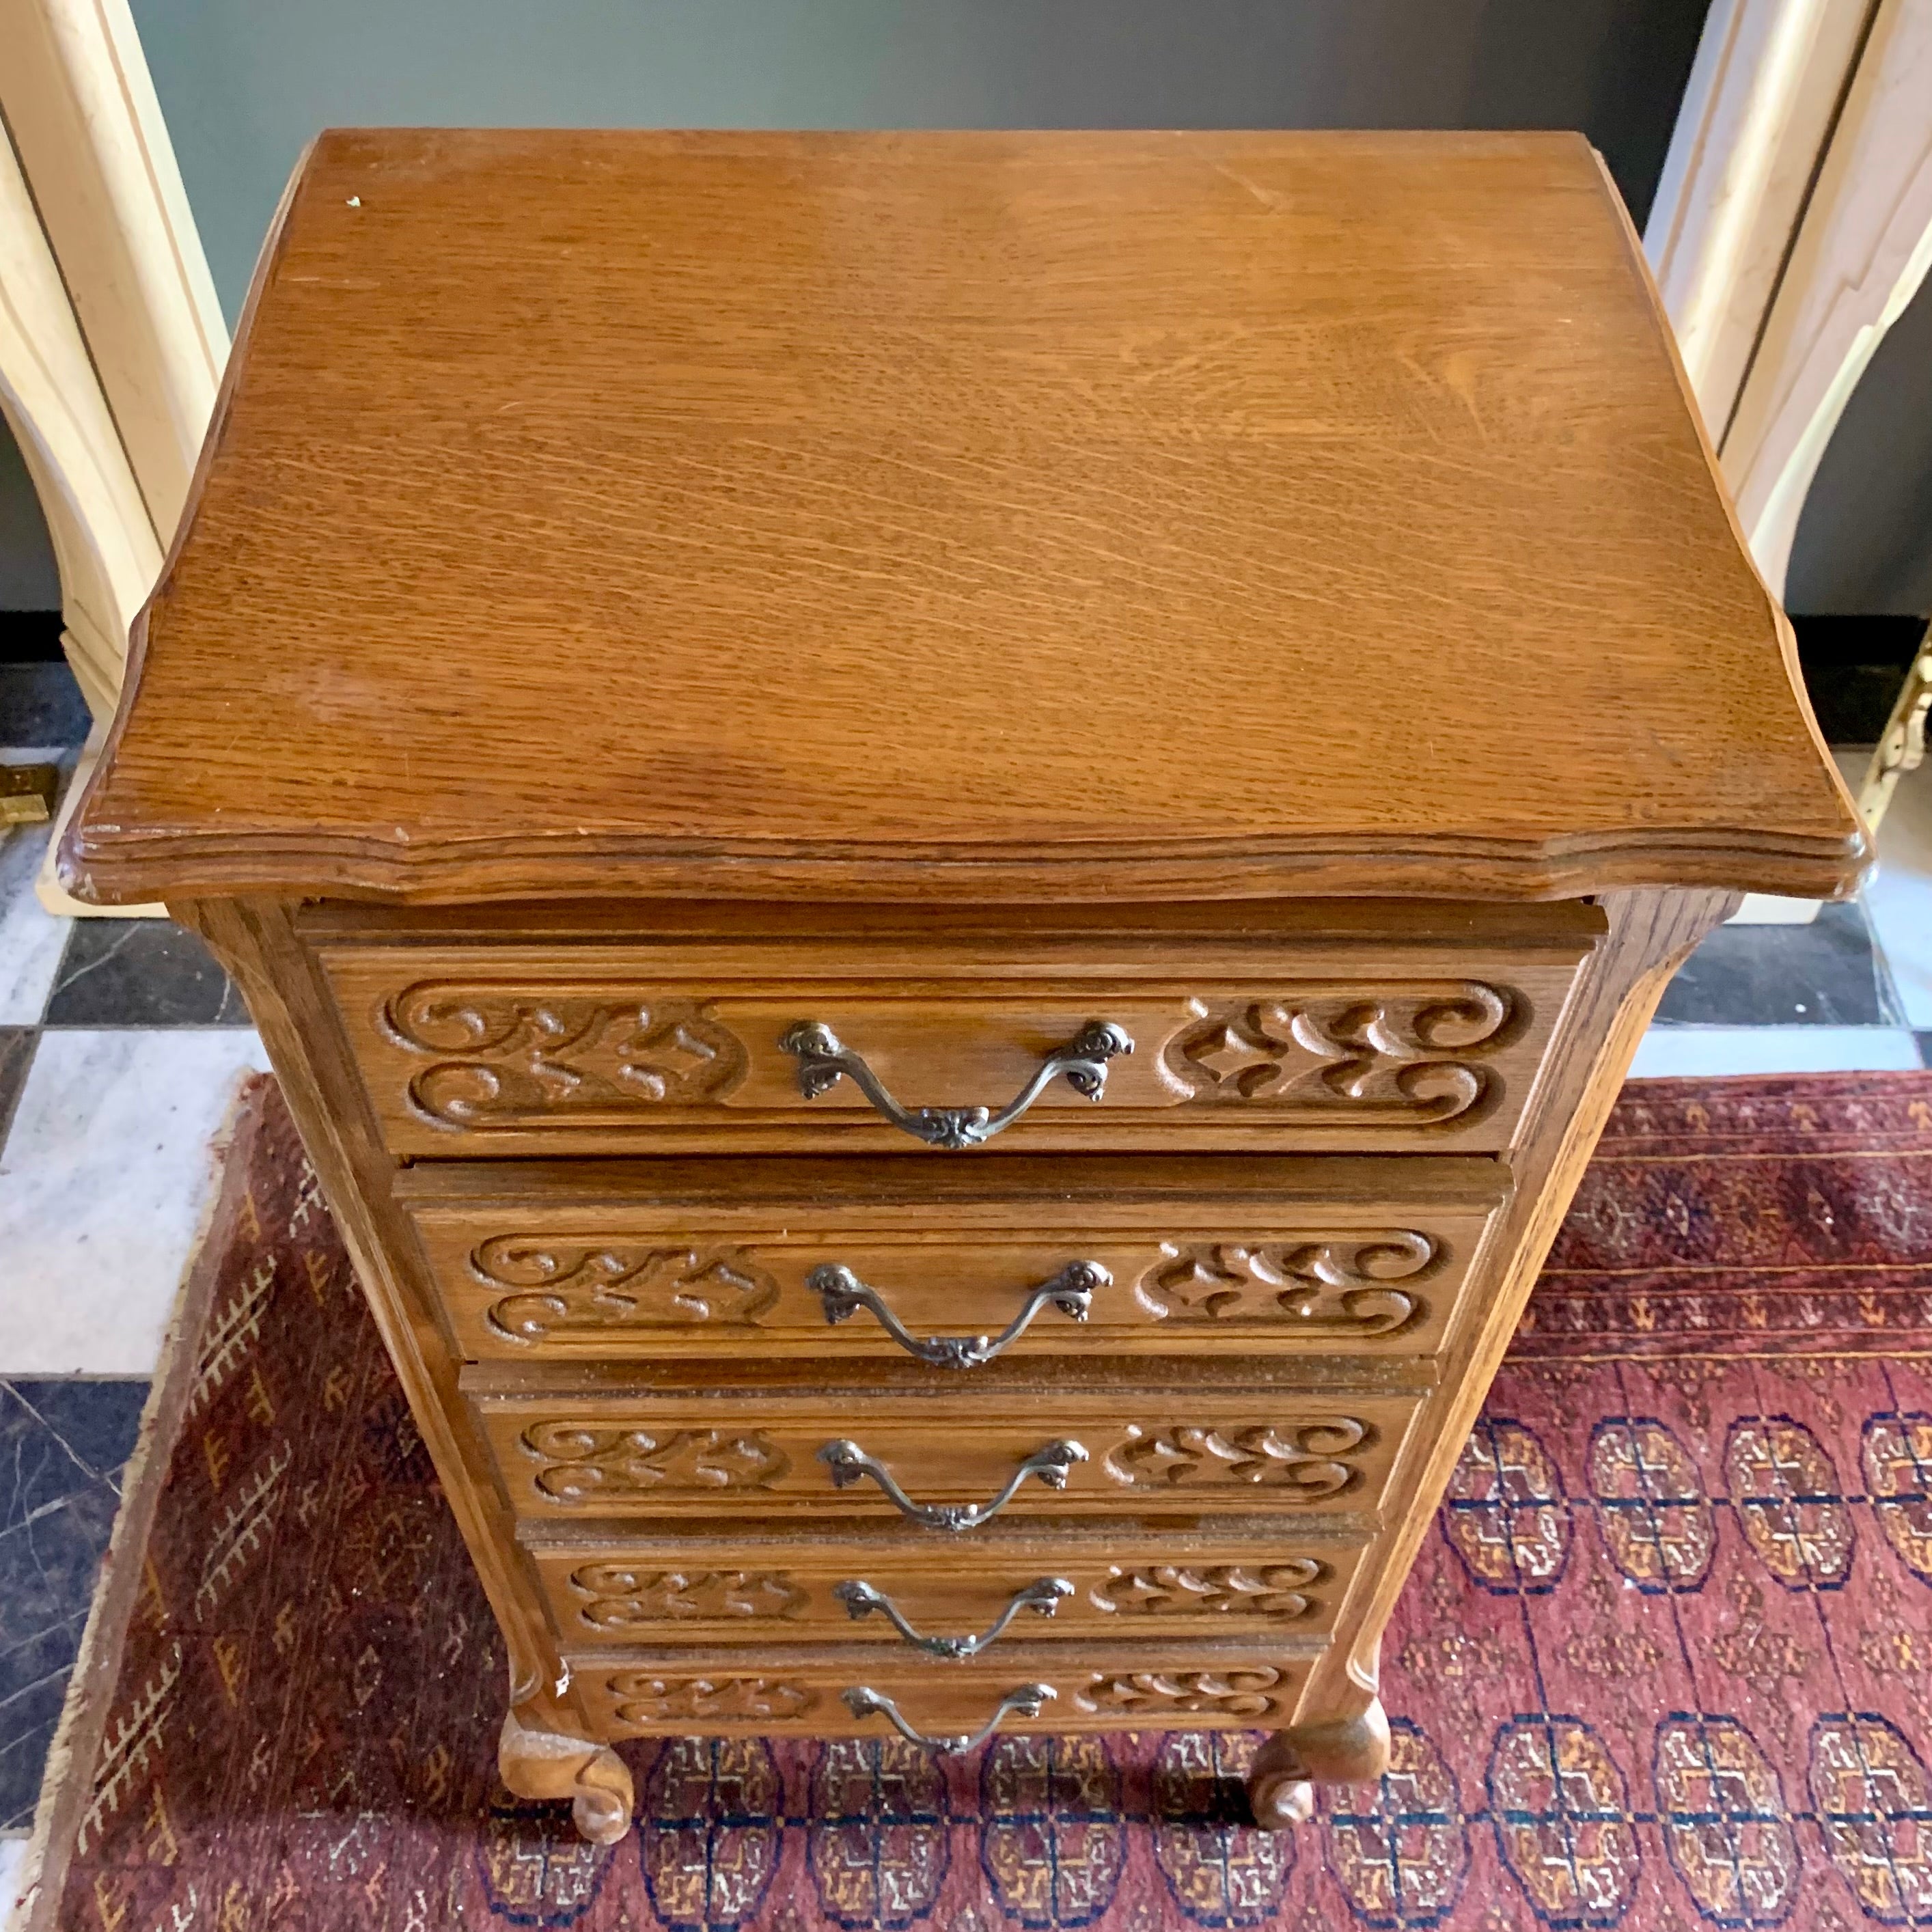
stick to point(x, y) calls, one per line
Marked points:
point(555, 1047)
point(954, 1264)
point(821, 1692)
point(890, 1591)
point(943, 1463)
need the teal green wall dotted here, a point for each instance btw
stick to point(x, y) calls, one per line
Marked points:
point(244, 83)
point(27, 579)
point(1864, 537)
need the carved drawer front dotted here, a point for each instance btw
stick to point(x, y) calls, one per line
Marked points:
point(522, 1049)
point(818, 1691)
point(946, 1464)
point(1014, 1590)
point(955, 1265)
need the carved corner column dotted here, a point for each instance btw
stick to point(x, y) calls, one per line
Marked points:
point(1342, 1735)
point(255, 943)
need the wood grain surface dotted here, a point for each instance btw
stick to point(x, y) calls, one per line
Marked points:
point(1198, 515)
point(1183, 1685)
point(462, 1067)
point(1284, 1580)
point(671, 563)
point(588, 1447)
point(1193, 1256)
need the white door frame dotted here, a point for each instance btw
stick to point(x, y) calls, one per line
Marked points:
point(112, 341)
point(1792, 225)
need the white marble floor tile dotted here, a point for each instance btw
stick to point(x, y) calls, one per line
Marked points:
point(1898, 900)
point(13, 1856)
point(1678, 1050)
point(31, 938)
point(102, 1182)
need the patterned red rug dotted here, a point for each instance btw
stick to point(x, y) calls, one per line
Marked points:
point(1668, 1662)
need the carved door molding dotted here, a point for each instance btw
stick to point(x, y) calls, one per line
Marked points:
point(1792, 224)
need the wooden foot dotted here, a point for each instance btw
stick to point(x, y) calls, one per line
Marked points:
point(540, 1763)
point(1348, 1750)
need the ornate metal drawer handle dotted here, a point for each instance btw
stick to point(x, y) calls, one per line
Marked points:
point(824, 1060)
point(848, 1463)
point(1071, 1291)
point(1024, 1700)
point(861, 1599)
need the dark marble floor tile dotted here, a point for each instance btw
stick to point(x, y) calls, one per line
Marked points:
point(48, 1568)
point(22, 1766)
point(140, 972)
point(1826, 973)
point(48, 1564)
point(28, 1721)
point(97, 1421)
point(33, 1687)
point(41, 704)
point(29, 1712)
point(17, 1055)
point(36, 1467)
point(26, 1666)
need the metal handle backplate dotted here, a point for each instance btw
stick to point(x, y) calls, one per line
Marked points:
point(1071, 1291)
point(824, 1060)
point(1043, 1598)
point(848, 1463)
point(1024, 1700)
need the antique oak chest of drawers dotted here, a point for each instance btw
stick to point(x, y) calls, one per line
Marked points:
point(950, 843)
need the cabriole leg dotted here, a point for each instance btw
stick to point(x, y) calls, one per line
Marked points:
point(539, 1761)
point(1348, 1750)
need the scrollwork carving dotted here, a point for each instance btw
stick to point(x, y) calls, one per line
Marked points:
point(1158, 1693)
point(1303, 1463)
point(643, 1699)
point(1280, 1590)
point(583, 1462)
point(538, 1761)
point(560, 1284)
point(506, 1059)
point(1410, 1058)
point(1332, 1284)
point(620, 1597)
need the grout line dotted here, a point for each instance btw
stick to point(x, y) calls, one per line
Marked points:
point(1779, 1026)
point(158, 1026)
point(10, 1379)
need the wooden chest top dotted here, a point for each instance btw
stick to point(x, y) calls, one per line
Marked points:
point(1103, 515)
